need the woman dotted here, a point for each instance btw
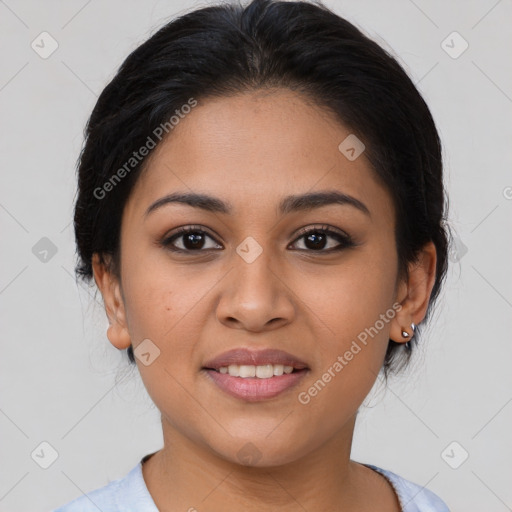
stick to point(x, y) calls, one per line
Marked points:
point(261, 205)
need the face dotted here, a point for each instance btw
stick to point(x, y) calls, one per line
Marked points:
point(306, 279)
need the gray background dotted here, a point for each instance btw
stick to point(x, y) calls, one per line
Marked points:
point(63, 383)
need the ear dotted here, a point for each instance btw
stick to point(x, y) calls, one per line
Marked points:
point(414, 294)
point(110, 288)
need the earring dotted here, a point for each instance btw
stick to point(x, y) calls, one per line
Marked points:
point(405, 334)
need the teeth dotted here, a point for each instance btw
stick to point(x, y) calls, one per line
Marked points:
point(265, 371)
point(246, 371)
point(278, 369)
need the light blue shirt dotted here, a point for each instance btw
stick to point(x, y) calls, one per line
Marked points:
point(130, 494)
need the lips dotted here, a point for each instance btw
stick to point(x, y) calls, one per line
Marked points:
point(243, 356)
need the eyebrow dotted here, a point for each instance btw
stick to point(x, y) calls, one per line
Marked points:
point(288, 205)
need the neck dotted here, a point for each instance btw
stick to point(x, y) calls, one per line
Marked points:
point(185, 475)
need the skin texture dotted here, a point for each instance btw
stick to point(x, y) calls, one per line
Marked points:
point(251, 150)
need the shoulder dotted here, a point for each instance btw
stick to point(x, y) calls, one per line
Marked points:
point(123, 494)
point(413, 497)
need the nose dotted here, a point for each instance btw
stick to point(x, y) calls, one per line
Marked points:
point(255, 297)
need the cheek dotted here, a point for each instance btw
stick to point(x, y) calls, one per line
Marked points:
point(157, 295)
point(157, 308)
point(162, 310)
point(353, 314)
point(168, 306)
point(349, 298)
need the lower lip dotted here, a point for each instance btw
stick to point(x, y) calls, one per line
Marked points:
point(253, 389)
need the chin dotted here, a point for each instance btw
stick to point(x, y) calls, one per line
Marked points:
point(260, 452)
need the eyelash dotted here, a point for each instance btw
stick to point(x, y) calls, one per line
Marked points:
point(344, 239)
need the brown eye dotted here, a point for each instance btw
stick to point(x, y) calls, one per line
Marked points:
point(189, 239)
point(194, 239)
point(317, 240)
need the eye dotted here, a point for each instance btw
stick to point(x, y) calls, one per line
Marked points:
point(191, 238)
point(194, 239)
point(316, 239)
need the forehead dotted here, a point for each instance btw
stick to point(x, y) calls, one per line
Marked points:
point(254, 148)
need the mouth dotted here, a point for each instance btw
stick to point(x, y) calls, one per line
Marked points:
point(255, 375)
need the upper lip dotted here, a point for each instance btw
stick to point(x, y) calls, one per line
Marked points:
point(244, 356)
